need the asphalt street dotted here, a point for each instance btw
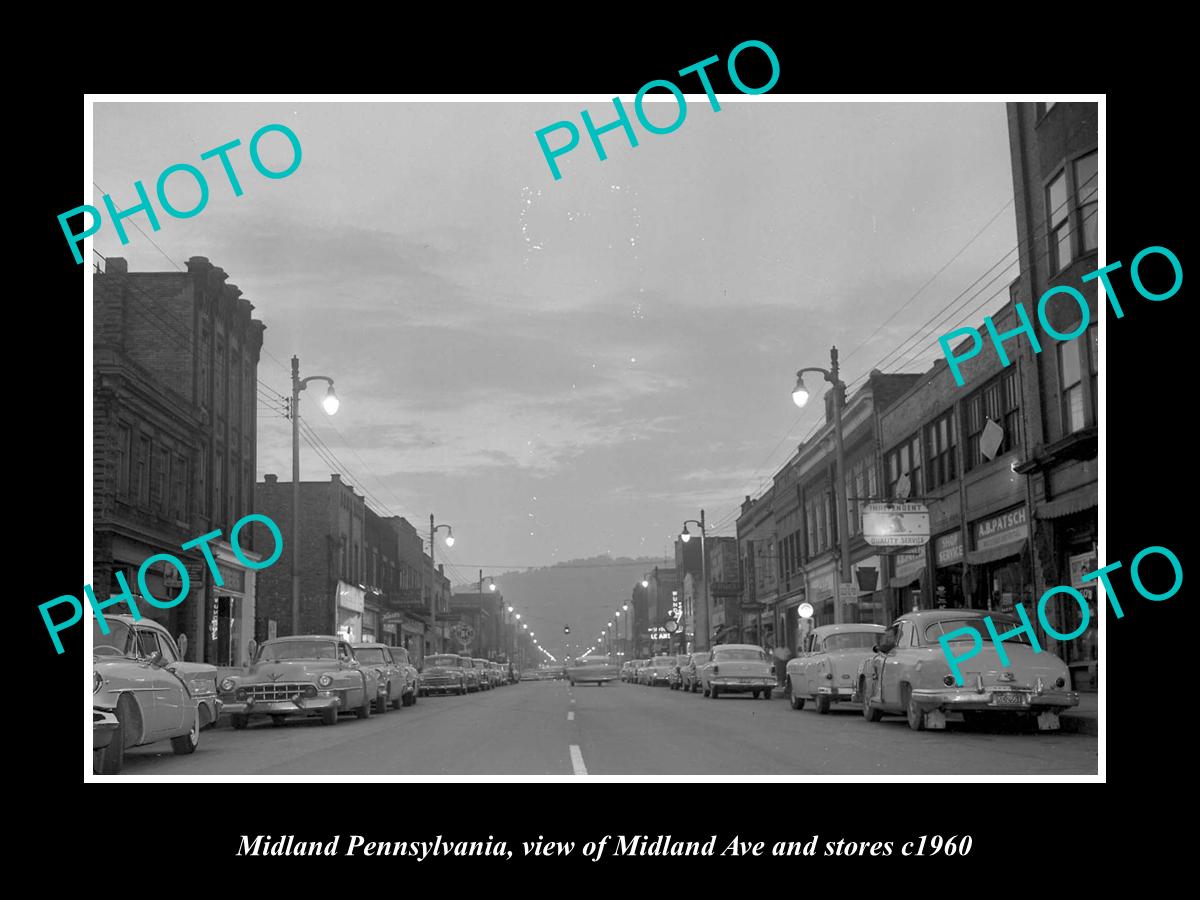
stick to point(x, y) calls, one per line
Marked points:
point(550, 728)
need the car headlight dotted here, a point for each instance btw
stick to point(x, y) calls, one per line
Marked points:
point(325, 680)
point(1060, 682)
point(98, 682)
point(228, 684)
point(948, 680)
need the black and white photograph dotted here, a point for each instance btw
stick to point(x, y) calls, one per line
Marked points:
point(698, 433)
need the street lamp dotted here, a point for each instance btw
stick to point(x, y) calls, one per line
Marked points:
point(685, 536)
point(330, 403)
point(433, 530)
point(800, 397)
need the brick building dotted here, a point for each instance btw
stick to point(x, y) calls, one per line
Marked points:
point(362, 575)
point(175, 370)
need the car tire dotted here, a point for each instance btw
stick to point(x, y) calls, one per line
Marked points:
point(329, 715)
point(822, 705)
point(755, 694)
point(382, 703)
point(767, 694)
point(364, 711)
point(797, 702)
point(462, 689)
point(112, 758)
point(572, 684)
point(187, 743)
point(239, 721)
point(916, 716)
point(714, 692)
point(407, 699)
point(869, 712)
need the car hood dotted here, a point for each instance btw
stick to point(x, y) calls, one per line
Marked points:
point(289, 669)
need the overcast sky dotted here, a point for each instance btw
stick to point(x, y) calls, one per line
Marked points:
point(567, 368)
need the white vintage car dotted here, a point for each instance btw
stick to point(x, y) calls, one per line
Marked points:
point(737, 669)
point(142, 692)
point(909, 673)
point(301, 675)
point(827, 666)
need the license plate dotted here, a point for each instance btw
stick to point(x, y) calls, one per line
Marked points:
point(1010, 698)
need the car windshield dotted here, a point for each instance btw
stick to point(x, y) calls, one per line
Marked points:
point(451, 661)
point(858, 640)
point(935, 630)
point(739, 655)
point(275, 650)
point(371, 656)
point(112, 643)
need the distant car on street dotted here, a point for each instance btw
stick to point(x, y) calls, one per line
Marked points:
point(140, 694)
point(472, 673)
point(659, 670)
point(592, 670)
point(689, 671)
point(298, 676)
point(738, 669)
point(485, 674)
point(826, 669)
point(910, 675)
point(443, 673)
point(529, 675)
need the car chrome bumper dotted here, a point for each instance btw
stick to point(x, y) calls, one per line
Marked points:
point(104, 726)
point(836, 693)
point(303, 706)
point(970, 698)
point(756, 684)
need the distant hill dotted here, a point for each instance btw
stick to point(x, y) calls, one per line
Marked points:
point(581, 593)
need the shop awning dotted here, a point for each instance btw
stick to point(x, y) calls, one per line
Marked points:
point(1065, 506)
point(991, 554)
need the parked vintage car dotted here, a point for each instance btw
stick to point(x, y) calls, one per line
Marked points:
point(910, 675)
point(689, 672)
point(474, 675)
point(412, 679)
point(444, 673)
point(658, 670)
point(674, 676)
point(484, 671)
point(300, 676)
point(738, 669)
point(592, 670)
point(529, 675)
point(645, 672)
point(391, 679)
point(826, 668)
point(201, 678)
point(140, 695)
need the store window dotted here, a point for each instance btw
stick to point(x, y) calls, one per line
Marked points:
point(940, 444)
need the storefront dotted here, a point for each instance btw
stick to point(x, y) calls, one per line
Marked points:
point(1001, 574)
point(948, 570)
point(821, 584)
point(907, 582)
point(351, 601)
point(1073, 553)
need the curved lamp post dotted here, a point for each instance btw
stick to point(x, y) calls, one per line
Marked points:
point(433, 530)
point(800, 397)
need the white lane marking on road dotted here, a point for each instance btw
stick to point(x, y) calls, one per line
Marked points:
point(577, 760)
point(570, 717)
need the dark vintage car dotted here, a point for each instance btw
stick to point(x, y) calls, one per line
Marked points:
point(592, 670)
point(909, 674)
point(143, 693)
point(299, 676)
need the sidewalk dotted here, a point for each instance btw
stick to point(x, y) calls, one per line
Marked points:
point(1084, 718)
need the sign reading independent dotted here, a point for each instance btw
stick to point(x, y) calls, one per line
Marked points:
point(896, 524)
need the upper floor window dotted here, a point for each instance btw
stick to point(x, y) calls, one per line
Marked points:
point(1086, 198)
point(1071, 380)
point(940, 444)
point(998, 402)
point(904, 466)
point(1058, 222)
point(1072, 209)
